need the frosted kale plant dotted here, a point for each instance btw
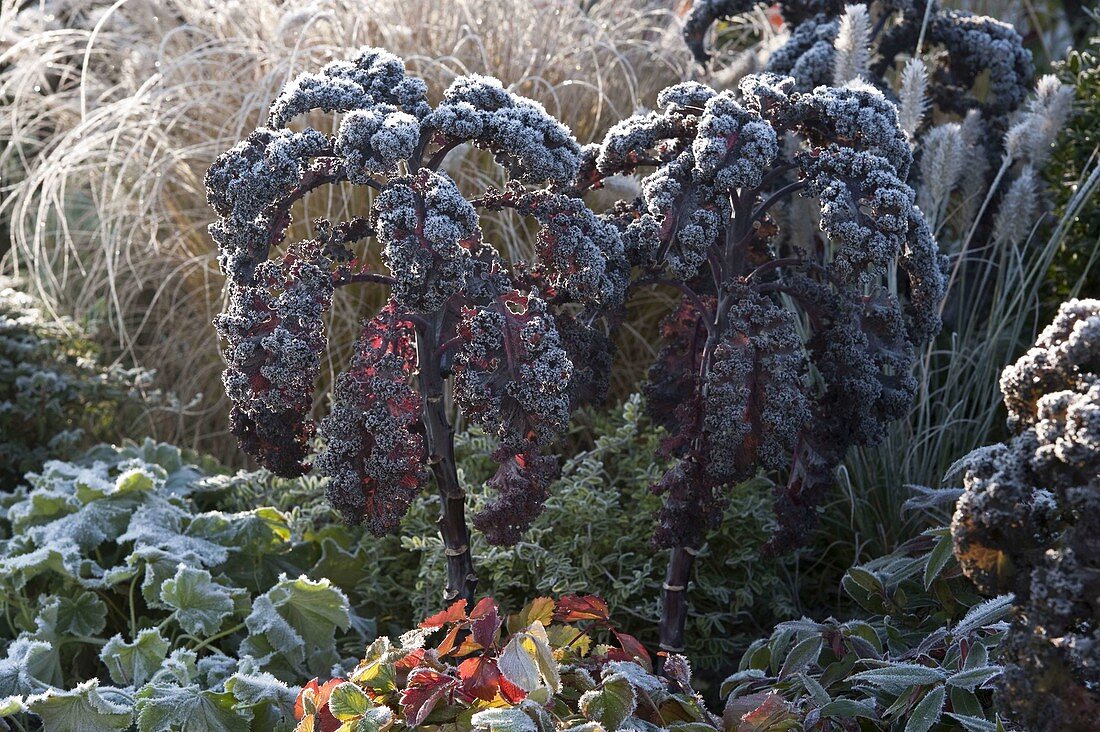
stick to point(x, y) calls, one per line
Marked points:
point(1029, 523)
point(507, 335)
point(782, 355)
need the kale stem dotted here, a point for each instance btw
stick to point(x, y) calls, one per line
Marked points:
point(439, 435)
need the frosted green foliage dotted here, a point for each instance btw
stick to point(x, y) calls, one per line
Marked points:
point(584, 542)
point(56, 396)
point(128, 601)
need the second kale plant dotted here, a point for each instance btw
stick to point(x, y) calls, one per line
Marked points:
point(499, 339)
point(783, 352)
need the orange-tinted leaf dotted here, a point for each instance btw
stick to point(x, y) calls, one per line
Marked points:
point(423, 692)
point(411, 661)
point(572, 608)
point(312, 702)
point(480, 677)
point(484, 607)
point(511, 693)
point(772, 710)
point(309, 691)
point(453, 614)
point(448, 643)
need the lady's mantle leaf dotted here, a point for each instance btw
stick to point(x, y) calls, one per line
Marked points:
point(82, 709)
point(132, 664)
point(188, 709)
point(199, 605)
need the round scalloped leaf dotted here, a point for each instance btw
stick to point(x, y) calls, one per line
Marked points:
point(188, 709)
point(82, 709)
point(199, 605)
point(132, 664)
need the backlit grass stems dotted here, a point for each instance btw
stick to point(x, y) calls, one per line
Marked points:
point(115, 111)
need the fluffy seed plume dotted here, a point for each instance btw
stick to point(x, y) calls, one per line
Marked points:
point(853, 46)
point(1019, 208)
point(941, 164)
point(1031, 138)
point(912, 97)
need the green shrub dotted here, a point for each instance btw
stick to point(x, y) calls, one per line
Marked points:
point(55, 396)
point(124, 597)
point(592, 538)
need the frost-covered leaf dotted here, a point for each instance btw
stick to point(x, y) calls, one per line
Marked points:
point(927, 712)
point(198, 603)
point(347, 701)
point(898, 677)
point(801, 656)
point(84, 614)
point(17, 671)
point(83, 709)
point(986, 613)
point(179, 669)
point(974, 677)
point(132, 664)
point(88, 527)
point(188, 709)
point(161, 525)
point(611, 704)
point(60, 559)
point(298, 619)
point(11, 705)
point(503, 720)
point(251, 687)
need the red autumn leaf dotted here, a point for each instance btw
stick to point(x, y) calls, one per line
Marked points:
point(423, 692)
point(484, 608)
point(572, 608)
point(318, 696)
point(772, 711)
point(455, 613)
point(448, 643)
point(483, 631)
point(480, 677)
point(633, 649)
point(411, 661)
point(511, 693)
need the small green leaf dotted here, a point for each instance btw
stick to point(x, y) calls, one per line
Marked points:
point(801, 656)
point(927, 712)
point(82, 709)
point(973, 724)
point(17, 671)
point(983, 614)
point(817, 691)
point(611, 704)
point(503, 720)
point(198, 604)
point(132, 664)
point(297, 619)
point(251, 687)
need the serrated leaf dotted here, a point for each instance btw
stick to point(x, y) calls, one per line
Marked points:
point(82, 709)
point(898, 677)
point(519, 666)
point(347, 701)
point(973, 724)
point(503, 720)
point(132, 664)
point(251, 687)
point(298, 619)
point(17, 677)
point(801, 656)
point(82, 615)
point(11, 705)
point(188, 709)
point(972, 678)
point(938, 558)
point(610, 704)
point(927, 712)
point(540, 609)
point(198, 603)
point(984, 614)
